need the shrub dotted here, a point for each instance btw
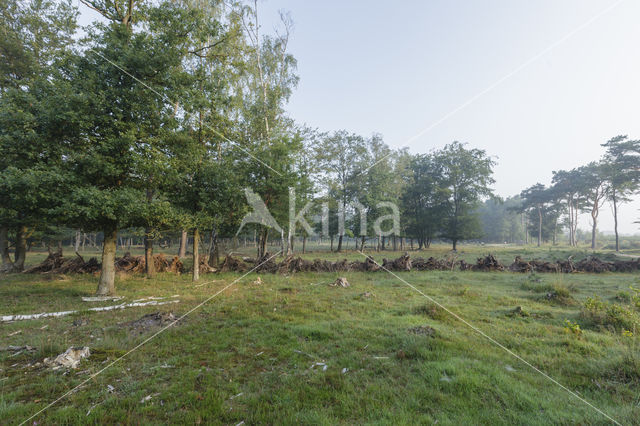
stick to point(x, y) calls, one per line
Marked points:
point(609, 315)
point(572, 328)
point(635, 297)
point(623, 296)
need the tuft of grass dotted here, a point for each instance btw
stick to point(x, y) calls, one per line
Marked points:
point(432, 311)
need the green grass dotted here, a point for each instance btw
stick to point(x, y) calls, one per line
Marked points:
point(247, 354)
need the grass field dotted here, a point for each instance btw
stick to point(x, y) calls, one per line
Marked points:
point(250, 353)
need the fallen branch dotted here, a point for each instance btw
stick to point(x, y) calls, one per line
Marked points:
point(19, 317)
point(102, 298)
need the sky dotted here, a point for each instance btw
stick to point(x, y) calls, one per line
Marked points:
point(537, 85)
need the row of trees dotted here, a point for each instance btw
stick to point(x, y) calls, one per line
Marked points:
point(162, 113)
point(615, 178)
point(154, 119)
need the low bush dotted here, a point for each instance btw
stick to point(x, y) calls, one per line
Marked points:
point(610, 316)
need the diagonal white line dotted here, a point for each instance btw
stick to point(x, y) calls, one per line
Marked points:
point(500, 81)
point(147, 340)
point(166, 98)
point(495, 342)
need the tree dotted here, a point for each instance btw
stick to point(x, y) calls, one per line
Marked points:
point(373, 186)
point(123, 118)
point(341, 155)
point(425, 199)
point(306, 168)
point(467, 176)
point(621, 166)
point(536, 197)
point(265, 133)
point(567, 185)
point(35, 117)
point(595, 190)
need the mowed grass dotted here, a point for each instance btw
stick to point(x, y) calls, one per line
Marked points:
point(247, 354)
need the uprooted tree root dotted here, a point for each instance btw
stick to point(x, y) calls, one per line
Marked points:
point(489, 263)
point(57, 264)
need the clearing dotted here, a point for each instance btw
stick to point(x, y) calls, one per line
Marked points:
point(293, 349)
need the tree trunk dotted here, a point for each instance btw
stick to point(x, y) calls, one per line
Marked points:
point(339, 243)
point(455, 244)
point(615, 220)
point(304, 244)
point(196, 255)
point(332, 244)
point(214, 253)
point(149, 267)
point(107, 282)
point(594, 218)
point(283, 244)
point(539, 226)
point(77, 241)
point(182, 252)
point(7, 264)
point(262, 243)
point(21, 249)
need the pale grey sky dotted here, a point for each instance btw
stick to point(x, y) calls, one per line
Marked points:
point(398, 67)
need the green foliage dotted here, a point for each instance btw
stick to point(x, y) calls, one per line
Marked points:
point(572, 328)
point(425, 199)
point(609, 315)
point(635, 297)
point(467, 176)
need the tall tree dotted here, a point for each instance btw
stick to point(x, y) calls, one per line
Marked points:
point(467, 176)
point(567, 185)
point(595, 190)
point(536, 198)
point(341, 155)
point(621, 166)
point(36, 117)
point(127, 76)
point(265, 133)
point(425, 199)
point(373, 186)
